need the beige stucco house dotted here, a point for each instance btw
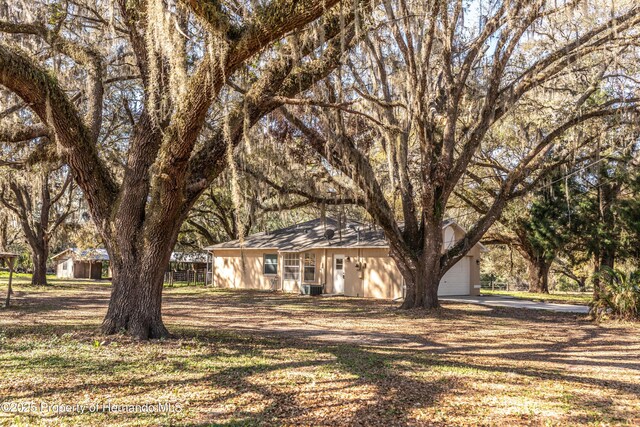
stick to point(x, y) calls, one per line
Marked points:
point(351, 259)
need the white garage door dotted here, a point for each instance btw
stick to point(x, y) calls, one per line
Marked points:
point(456, 281)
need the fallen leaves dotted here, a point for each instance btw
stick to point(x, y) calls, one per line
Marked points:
point(252, 358)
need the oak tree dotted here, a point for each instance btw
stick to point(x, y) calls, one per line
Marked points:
point(199, 72)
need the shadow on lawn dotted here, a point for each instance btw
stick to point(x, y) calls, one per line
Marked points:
point(398, 391)
point(401, 379)
point(395, 393)
point(402, 372)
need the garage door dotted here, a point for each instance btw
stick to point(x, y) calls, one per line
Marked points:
point(456, 281)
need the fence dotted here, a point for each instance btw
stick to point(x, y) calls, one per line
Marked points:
point(503, 286)
point(196, 277)
point(494, 286)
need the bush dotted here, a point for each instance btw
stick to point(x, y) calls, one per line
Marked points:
point(619, 296)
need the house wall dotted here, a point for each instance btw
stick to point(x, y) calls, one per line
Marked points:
point(241, 269)
point(382, 279)
point(80, 270)
point(475, 254)
point(378, 276)
point(96, 271)
point(87, 270)
point(60, 269)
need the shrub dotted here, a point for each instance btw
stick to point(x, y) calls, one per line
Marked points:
point(619, 296)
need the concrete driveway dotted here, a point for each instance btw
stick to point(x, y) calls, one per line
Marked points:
point(504, 301)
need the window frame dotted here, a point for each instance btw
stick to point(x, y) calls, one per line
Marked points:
point(310, 265)
point(265, 264)
point(291, 266)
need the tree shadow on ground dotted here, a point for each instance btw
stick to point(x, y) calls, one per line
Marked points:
point(362, 375)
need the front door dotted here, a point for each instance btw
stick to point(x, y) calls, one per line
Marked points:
point(338, 274)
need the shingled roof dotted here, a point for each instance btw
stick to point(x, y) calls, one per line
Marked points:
point(85, 254)
point(312, 234)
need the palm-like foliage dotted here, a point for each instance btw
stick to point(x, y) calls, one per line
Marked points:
point(619, 296)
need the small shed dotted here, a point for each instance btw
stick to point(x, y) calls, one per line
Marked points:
point(74, 263)
point(189, 267)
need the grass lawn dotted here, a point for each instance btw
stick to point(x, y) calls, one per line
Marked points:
point(557, 297)
point(252, 358)
point(24, 279)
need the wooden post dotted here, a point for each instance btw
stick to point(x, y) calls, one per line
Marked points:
point(10, 263)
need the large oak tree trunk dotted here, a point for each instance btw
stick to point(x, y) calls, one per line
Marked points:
point(421, 283)
point(422, 273)
point(538, 270)
point(40, 253)
point(135, 306)
point(139, 252)
point(413, 282)
point(538, 265)
point(606, 258)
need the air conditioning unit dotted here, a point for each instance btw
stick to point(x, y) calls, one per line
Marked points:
point(311, 289)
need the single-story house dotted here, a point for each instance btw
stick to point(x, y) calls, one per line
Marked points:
point(74, 263)
point(351, 259)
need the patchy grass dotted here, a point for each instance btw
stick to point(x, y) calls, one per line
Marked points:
point(558, 297)
point(4, 274)
point(23, 281)
point(257, 358)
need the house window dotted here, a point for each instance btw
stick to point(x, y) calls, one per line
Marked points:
point(309, 267)
point(291, 267)
point(270, 264)
point(64, 265)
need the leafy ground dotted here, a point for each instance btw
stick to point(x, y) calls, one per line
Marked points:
point(557, 297)
point(252, 358)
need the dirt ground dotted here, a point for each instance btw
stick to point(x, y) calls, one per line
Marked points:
point(255, 358)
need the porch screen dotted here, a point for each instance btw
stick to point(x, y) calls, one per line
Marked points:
point(291, 267)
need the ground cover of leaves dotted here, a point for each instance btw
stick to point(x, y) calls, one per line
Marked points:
point(255, 358)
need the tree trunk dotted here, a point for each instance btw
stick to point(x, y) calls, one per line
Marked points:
point(421, 286)
point(135, 306)
point(582, 286)
point(605, 259)
point(538, 270)
point(40, 255)
point(422, 274)
point(538, 266)
point(414, 285)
